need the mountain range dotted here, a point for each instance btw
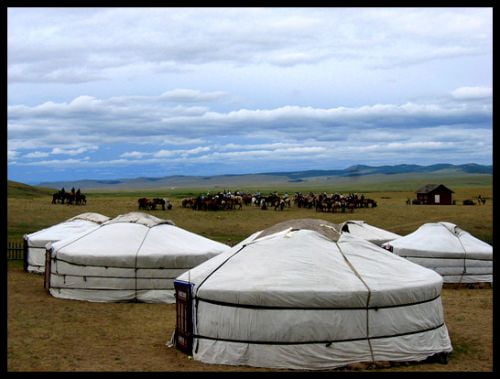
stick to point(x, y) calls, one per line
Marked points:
point(302, 178)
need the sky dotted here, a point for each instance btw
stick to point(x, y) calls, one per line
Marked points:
point(110, 93)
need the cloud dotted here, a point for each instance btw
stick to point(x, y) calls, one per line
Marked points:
point(78, 151)
point(149, 135)
point(89, 122)
point(83, 45)
point(190, 95)
point(469, 93)
point(12, 154)
point(37, 154)
point(134, 154)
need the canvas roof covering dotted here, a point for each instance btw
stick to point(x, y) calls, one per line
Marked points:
point(299, 299)
point(133, 257)
point(37, 241)
point(368, 232)
point(449, 250)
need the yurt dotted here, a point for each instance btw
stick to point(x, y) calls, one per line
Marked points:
point(300, 295)
point(34, 243)
point(450, 251)
point(133, 257)
point(368, 232)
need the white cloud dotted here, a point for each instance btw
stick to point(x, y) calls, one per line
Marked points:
point(80, 45)
point(12, 154)
point(467, 93)
point(37, 154)
point(134, 154)
point(190, 95)
point(89, 122)
point(80, 150)
point(164, 153)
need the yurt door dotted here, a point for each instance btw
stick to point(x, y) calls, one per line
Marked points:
point(48, 267)
point(25, 254)
point(184, 323)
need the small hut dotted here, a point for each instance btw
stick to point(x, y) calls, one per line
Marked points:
point(434, 194)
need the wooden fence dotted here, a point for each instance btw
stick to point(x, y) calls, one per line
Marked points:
point(15, 250)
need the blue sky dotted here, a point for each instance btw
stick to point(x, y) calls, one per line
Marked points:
point(104, 93)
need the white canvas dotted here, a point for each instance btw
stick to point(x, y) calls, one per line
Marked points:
point(368, 232)
point(447, 249)
point(134, 257)
point(297, 299)
point(74, 226)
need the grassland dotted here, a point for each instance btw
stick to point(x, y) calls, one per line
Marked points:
point(49, 334)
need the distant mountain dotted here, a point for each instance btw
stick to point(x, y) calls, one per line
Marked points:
point(279, 178)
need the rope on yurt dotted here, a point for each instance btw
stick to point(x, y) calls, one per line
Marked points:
point(203, 281)
point(465, 255)
point(135, 264)
point(367, 300)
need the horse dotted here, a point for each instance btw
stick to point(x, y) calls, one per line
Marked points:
point(350, 206)
point(280, 205)
point(69, 197)
point(80, 199)
point(247, 199)
point(162, 202)
point(56, 197)
point(187, 202)
point(237, 201)
point(145, 203)
point(263, 205)
point(335, 206)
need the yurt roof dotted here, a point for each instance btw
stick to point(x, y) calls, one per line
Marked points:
point(441, 239)
point(141, 218)
point(138, 240)
point(70, 227)
point(305, 268)
point(368, 232)
point(326, 228)
point(90, 216)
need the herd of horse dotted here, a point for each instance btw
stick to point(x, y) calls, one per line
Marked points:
point(320, 202)
point(214, 202)
point(70, 198)
point(225, 200)
point(150, 204)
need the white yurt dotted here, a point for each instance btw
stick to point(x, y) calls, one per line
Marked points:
point(368, 232)
point(302, 296)
point(34, 243)
point(450, 251)
point(133, 257)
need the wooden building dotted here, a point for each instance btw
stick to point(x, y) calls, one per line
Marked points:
point(434, 194)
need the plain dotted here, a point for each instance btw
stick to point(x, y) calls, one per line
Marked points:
point(49, 334)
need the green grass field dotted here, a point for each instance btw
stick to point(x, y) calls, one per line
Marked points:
point(49, 334)
point(29, 211)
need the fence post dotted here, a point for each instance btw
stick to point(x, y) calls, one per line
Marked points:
point(25, 254)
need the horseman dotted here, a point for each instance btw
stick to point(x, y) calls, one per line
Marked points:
point(62, 194)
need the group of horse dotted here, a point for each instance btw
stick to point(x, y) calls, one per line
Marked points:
point(334, 203)
point(214, 202)
point(70, 198)
point(320, 202)
point(150, 204)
